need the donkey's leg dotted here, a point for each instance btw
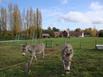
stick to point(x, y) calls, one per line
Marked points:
point(35, 57)
point(69, 65)
point(43, 53)
point(30, 61)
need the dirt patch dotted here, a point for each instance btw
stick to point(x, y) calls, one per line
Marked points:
point(50, 49)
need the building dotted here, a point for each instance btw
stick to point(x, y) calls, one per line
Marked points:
point(56, 34)
point(72, 33)
point(76, 34)
point(45, 35)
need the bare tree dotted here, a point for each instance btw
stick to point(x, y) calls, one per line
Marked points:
point(10, 16)
point(38, 23)
point(16, 21)
point(3, 20)
point(12, 19)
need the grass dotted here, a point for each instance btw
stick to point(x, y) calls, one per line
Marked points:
point(87, 61)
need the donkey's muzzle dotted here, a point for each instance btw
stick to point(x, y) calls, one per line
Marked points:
point(23, 54)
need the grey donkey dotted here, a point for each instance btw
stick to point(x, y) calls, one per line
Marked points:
point(34, 50)
point(67, 54)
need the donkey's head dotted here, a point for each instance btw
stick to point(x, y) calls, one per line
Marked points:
point(67, 54)
point(24, 49)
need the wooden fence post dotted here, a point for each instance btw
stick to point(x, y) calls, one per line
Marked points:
point(46, 42)
point(51, 44)
point(95, 43)
point(80, 44)
point(26, 70)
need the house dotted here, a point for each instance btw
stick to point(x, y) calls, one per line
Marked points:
point(71, 33)
point(82, 34)
point(64, 33)
point(45, 35)
point(76, 34)
point(56, 34)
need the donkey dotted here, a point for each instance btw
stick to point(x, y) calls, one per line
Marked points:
point(67, 54)
point(33, 50)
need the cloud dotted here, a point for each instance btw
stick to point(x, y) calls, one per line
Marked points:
point(75, 16)
point(64, 1)
point(53, 12)
point(93, 16)
point(4, 0)
point(96, 6)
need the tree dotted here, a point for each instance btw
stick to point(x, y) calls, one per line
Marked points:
point(49, 28)
point(10, 16)
point(16, 22)
point(51, 32)
point(78, 30)
point(0, 23)
point(38, 19)
point(94, 32)
point(29, 21)
point(88, 31)
point(3, 20)
point(55, 29)
point(100, 33)
point(0, 26)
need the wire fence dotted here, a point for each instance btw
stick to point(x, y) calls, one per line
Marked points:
point(77, 43)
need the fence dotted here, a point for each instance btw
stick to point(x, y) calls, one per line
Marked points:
point(78, 43)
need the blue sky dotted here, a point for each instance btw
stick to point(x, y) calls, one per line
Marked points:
point(65, 14)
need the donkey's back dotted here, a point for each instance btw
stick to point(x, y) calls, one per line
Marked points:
point(39, 48)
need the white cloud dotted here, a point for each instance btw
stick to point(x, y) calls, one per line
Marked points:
point(4, 0)
point(53, 12)
point(96, 6)
point(75, 16)
point(64, 1)
point(93, 16)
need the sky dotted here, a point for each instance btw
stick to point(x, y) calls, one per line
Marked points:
point(64, 14)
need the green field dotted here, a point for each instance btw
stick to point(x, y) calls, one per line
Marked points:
point(87, 61)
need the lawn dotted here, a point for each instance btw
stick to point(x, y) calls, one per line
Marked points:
point(87, 61)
